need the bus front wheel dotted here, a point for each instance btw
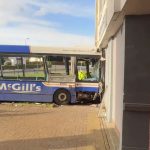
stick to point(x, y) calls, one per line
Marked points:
point(62, 97)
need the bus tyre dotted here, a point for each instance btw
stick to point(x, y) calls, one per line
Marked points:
point(62, 97)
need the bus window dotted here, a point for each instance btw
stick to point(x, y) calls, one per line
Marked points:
point(22, 68)
point(11, 68)
point(87, 70)
point(59, 65)
point(33, 68)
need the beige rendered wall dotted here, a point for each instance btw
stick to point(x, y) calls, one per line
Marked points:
point(106, 13)
point(108, 81)
point(118, 79)
point(122, 3)
point(114, 80)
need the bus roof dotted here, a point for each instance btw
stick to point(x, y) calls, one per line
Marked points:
point(19, 49)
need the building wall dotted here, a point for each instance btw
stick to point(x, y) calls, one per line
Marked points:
point(106, 13)
point(122, 3)
point(114, 80)
point(110, 15)
point(108, 81)
point(127, 82)
point(126, 41)
point(118, 79)
point(136, 115)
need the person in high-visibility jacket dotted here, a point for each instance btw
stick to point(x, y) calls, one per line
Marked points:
point(82, 75)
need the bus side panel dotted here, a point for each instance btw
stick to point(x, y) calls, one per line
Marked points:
point(31, 91)
point(73, 95)
point(25, 91)
point(57, 86)
point(25, 97)
point(87, 87)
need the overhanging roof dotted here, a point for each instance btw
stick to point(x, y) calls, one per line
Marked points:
point(131, 7)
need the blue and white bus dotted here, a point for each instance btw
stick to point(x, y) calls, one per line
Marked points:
point(38, 74)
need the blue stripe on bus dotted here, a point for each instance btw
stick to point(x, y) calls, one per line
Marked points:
point(26, 97)
point(14, 49)
point(9, 97)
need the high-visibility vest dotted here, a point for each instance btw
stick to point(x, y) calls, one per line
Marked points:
point(82, 75)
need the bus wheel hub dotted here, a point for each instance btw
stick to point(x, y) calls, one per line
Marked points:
point(62, 96)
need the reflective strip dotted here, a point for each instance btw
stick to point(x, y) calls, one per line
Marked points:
point(59, 84)
point(87, 84)
point(71, 84)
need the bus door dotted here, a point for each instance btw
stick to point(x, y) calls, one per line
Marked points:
point(61, 76)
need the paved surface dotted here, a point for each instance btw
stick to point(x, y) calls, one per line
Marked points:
point(42, 128)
